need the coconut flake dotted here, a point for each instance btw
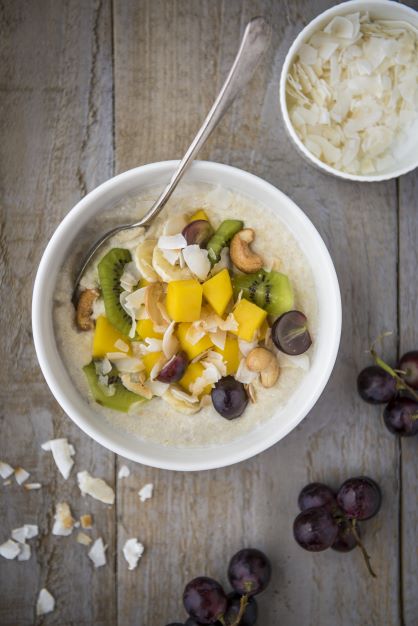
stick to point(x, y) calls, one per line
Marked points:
point(170, 342)
point(145, 493)
point(121, 345)
point(152, 344)
point(197, 260)
point(156, 387)
point(62, 452)
point(218, 338)
point(172, 242)
point(32, 486)
point(245, 347)
point(24, 552)
point(244, 375)
point(21, 475)
point(27, 531)
point(95, 487)
point(9, 549)
point(97, 553)
point(63, 520)
point(45, 603)
point(6, 470)
point(132, 551)
point(182, 395)
point(86, 521)
point(84, 539)
point(124, 472)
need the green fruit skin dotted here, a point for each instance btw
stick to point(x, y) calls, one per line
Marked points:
point(110, 270)
point(121, 401)
point(271, 291)
point(221, 238)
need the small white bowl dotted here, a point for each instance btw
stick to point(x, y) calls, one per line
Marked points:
point(378, 9)
point(89, 419)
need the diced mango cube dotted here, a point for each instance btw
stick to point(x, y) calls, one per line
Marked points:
point(192, 373)
point(105, 337)
point(184, 300)
point(218, 291)
point(230, 354)
point(249, 317)
point(150, 359)
point(199, 215)
point(145, 328)
point(192, 350)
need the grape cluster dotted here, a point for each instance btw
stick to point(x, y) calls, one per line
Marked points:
point(206, 602)
point(329, 520)
point(381, 384)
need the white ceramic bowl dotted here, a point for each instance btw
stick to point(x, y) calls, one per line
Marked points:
point(63, 243)
point(378, 9)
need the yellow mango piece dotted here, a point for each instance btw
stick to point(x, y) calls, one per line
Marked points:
point(145, 328)
point(105, 337)
point(192, 350)
point(230, 354)
point(218, 291)
point(184, 300)
point(199, 215)
point(192, 373)
point(249, 317)
point(149, 360)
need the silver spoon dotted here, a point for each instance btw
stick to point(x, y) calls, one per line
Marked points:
point(254, 43)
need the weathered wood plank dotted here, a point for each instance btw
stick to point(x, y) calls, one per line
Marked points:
point(56, 129)
point(170, 60)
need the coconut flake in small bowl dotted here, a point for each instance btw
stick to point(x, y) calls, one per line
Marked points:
point(349, 90)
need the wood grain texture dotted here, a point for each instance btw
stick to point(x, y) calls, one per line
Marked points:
point(56, 144)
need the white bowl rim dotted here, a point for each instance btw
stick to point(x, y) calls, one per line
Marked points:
point(310, 27)
point(54, 383)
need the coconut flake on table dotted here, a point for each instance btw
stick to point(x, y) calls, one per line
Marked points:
point(124, 472)
point(45, 603)
point(32, 486)
point(353, 92)
point(21, 475)
point(95, 487)
point(86, 521)
point(145, 493)
point(62, 451)
point(27, 531)
point(25, 552)
point(63, 520)
point(97, 553)
point(9, 549)
point(6, 470)
point(84, 539)
point(132, 551)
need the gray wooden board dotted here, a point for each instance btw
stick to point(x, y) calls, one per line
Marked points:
point(169, 60)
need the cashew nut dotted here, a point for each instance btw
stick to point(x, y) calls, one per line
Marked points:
point(85, 309)
point(265, 362)
point(242, 256)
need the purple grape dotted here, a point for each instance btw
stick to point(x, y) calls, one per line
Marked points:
point(204, 600)
point(290, 333)
point(175, 624)
point(174, 369)
point(198, 232)
point(316, 494)
point(249, 571)
point(401, 417)
point(409, 365)
point(359, 498)
point(315, 529)
point(346, 540)
point(229, 397)
point(375, 385)
point(234, 604)
point(192, 622)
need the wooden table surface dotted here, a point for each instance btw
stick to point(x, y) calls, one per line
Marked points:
point(90, 89)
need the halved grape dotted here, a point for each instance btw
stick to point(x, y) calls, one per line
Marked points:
point(401, 417)
point(174, 369)
point(359, 498)
point(198, 232)
point(229, 397)
point(346, 540)
point(249, 571)
point(290, 333)
point(375, 385)
point(409, 365)
point(204, 600)
point(316, 494)
point(315, 529)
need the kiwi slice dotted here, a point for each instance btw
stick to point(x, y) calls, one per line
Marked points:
point(272, 291)
point(221, 238)
point(110, 271)
point(121, 400)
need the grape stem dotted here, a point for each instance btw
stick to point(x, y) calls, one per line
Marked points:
point(366, 556)
point(242, 607)
point(401, 385)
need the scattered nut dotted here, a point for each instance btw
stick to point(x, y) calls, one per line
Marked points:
point(263, 361)
point(85, 309)
point(241, 254)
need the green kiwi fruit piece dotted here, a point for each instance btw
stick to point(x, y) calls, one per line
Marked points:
point(110, 271)
point(272, 291)
point(221, 238)
point(121, 400)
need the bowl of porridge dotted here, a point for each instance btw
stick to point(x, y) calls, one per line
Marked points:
point(198, 342)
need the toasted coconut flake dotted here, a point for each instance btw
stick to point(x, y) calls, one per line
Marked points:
point(145, 493)
point(130, 276)
point(63, 520)
point(154, 294)
point(153, 345)
point(210, 376)
point(32, 486)
point(129, 382)
point(156, 387)
point(170, 343)
point(62, 452)
point(244, 375)
point(132, 551)
point(157, 368)
point(6, 470)
point(250, 389)
point(172, 242)
point(197, 260)
point(188, 406)
point(86, 521)
point(124, 472)
point(215, 359)
point(24, 552)
point(245, 347)
point(97, 553)
point(21, 475)
point(7, 483)
point(195, 333)
point(9, 549)
point(183, 395)
point(45, 603)
point(218, 338)
point(121, 345)
point(95, 487)
point(84, 539)
point(124, 363)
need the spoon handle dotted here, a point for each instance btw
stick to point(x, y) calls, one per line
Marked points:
point(254, 43)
